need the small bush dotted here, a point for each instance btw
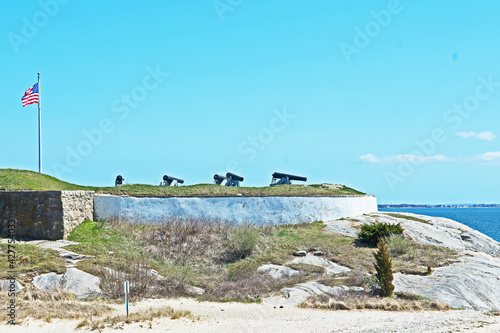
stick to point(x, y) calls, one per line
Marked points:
point(399, 245)
point(372, 233)
point(355, 277)
point(414, 257)
point(242, 241)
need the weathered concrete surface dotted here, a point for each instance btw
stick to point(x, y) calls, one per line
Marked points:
point(239, 209)
point(471, 283)
point(83, 285)
point(44, 214)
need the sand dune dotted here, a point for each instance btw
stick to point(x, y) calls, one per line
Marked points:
point(237, 317)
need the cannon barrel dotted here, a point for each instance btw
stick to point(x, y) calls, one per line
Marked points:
point(234, 177)
point(219, 177)
point(119, 180)
point(291, 177)
point(170, 179)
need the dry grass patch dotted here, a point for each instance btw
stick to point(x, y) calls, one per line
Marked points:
point(250, 289)
point(47, 305)
point(278, 245)
point(411, 257)
point(351, 301)
point(308, 269)
point(118, 321)
point(407, 217)
point(31, 261)
point(223, 259)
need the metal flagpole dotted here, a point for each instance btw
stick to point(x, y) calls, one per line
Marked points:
point(39, 127)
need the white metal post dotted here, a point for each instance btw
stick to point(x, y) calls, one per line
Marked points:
point(39, 126)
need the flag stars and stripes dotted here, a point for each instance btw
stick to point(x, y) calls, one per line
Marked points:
point(31, 95)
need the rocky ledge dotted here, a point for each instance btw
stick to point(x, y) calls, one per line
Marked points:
point(471, 282)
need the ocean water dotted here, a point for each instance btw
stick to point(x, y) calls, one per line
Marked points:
point(485, 220)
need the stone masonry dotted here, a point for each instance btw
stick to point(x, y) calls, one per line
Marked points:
point(44, 214)
point(77, 206)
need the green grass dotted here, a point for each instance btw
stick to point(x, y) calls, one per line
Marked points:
point(196, 253)
point(30, 261)
point(15, 180)
point(98, 238)
point(413, 258)
point(407, 217)
point(202, 253)
point(278, 246)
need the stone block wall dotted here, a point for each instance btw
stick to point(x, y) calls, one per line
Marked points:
point(44, 214)
point(54, 214)
point(77, 206)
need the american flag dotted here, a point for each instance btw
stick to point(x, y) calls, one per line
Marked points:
point(31, 95)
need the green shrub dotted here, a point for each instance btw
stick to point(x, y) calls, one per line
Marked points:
point(242, 240)
point(372, 233)
point(383, 266)
point(401, 246)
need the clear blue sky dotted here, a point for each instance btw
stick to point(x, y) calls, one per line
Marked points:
point(395, 98)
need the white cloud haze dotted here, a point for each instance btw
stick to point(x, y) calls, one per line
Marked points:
point(493, 156)
point(370, 158)
point(486, 135)
point(416, 159)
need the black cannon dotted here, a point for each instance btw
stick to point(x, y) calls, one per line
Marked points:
point(171, 181)
point(220, 180)
point(119, 180)
point(284, 178)
point(233, 180)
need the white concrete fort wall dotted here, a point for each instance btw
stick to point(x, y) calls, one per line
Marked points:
point(239, 209)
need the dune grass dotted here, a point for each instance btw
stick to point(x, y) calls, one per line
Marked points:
point(16, 180)
point(223, 259)
point(30, 261)
point(413, 258)
point(117, 321)
point(400, 302)
point(48, 305)
point(167, 259)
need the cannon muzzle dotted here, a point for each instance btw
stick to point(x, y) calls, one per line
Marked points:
point(234, 177)
point(219, 177)
point(169, 179)
point(291, 177)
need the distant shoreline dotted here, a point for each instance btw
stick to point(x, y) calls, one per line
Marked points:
point(439, 206)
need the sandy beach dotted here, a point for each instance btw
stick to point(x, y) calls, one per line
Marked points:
point(238, 317)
